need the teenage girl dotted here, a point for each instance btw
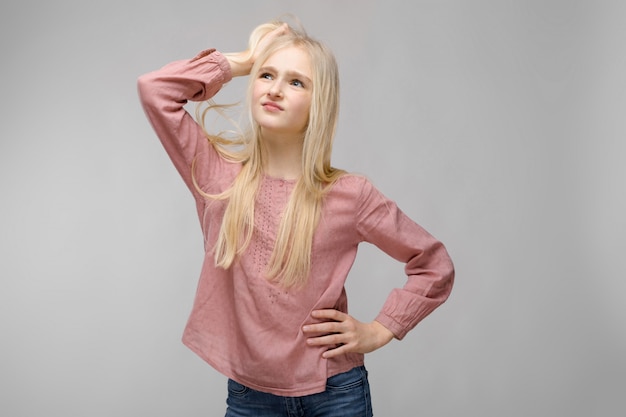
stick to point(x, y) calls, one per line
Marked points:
point(281, 228)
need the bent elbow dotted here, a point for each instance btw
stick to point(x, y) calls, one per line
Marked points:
point(145, 88)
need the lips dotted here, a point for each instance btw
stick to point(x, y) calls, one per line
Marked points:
point(271, 106)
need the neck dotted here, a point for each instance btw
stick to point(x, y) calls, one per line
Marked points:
point(282, 157)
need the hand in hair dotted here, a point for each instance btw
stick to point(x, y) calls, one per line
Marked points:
point(342, 334)
point(241, 62)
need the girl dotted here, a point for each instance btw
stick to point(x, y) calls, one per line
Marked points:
point(281, 228)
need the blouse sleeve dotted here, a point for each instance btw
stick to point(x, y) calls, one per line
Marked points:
point(429, 269)
point(164, 92)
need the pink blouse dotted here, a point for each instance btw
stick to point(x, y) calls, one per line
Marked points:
point(244, 326)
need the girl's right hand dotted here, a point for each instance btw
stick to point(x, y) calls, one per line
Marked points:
point(241, 62)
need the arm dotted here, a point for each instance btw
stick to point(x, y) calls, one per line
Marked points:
point(164, 92)
point(430, 275)
point(428, 267)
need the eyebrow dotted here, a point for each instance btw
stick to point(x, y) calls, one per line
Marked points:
point(290, 73)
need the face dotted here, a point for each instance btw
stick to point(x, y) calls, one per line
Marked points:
point(281, 93)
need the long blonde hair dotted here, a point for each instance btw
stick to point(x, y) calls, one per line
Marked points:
point(290, 262)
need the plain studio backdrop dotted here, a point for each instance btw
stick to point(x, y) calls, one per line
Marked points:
point(497, 125)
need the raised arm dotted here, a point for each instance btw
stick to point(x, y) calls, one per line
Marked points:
point(164, 92)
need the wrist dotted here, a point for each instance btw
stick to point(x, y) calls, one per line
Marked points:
point(240, 63)
point(383, 334)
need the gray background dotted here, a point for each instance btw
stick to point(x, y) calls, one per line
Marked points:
point(497, 125)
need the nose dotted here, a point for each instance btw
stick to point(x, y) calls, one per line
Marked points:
point(275, 89)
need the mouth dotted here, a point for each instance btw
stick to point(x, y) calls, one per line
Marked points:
point(271, 106)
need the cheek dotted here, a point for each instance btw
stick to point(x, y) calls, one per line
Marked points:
point(304, 108)
point(255, 96)
point(256, 91)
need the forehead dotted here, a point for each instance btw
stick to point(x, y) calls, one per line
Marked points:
point(291, 58)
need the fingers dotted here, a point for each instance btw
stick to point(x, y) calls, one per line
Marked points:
point(337, 333)
point(342, 333)
point(270, 36)
point(326, 327)
point(336, 324)
point(282, 29)
point(331, 353)
point(338, 343)
point(328, 340)
point(329, 314)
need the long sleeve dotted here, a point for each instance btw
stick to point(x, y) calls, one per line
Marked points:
point(164, 92)
point(429, 269)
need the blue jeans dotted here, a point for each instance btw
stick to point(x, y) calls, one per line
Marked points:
point(346, 395)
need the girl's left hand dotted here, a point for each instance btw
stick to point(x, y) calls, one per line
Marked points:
point(342, 334)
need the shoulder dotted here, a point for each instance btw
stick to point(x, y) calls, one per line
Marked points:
point(351, 183)
point(357, 187)
point(356, 192)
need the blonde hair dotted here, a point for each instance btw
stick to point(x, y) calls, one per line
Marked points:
point(290, 262)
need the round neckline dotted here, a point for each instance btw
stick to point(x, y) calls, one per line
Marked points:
point(278, 179)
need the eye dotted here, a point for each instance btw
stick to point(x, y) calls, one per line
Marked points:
point(297, 83)
point(266, 75)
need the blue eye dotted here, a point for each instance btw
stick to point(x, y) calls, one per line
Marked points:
point(297, 83)
point(266, 75)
